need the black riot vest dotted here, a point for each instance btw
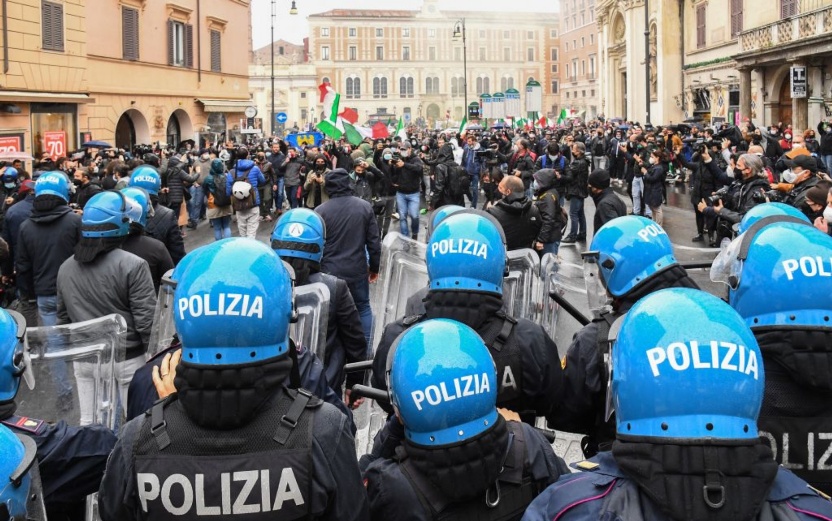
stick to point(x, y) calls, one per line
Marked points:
point(505, 500)
point(603, 433)
point(262, 470)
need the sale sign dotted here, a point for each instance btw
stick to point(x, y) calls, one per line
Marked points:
point(54, 144)
point(10, 144)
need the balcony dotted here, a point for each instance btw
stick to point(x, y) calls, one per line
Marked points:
point(815, 19)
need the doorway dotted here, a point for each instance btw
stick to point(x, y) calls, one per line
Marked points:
point(785, 100)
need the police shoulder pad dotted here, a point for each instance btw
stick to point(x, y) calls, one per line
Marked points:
point(26, 424)
point(820, 493)
point(587, 465)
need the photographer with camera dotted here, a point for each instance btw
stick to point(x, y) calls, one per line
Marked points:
point(292, 169)
point(473, 158)
point(313, 188)
point(800, 177)
point(732, 202)
point(406, 177)
point(706, 178)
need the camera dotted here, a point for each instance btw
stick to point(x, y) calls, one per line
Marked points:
point(774, 196)
point(397, 156)
point(718, 195)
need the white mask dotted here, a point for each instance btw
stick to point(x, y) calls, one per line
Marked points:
point(788, 176)
point(552, 157)
point(652, 160)
point(827, 214)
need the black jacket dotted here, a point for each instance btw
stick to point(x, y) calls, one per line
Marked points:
point(706, 178)
point(45, 241)
point(520, 219)
point(548, 202)
point(351, 231)
point(408, 178)
point(13, 219)
point(175, 179)
point(825, 134)
point(277, 162)
point(153, 252)
point(608, 206)
point(84, 193)
point(797, 196)
point(654, 186)
point(525, 164)
point(164, 226)
point(743, 195)
point(578, 174)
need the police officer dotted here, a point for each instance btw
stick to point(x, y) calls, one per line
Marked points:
point(687, 385)
point(460, 459)
point(71, 459)
point(633, 257)
point(235, 440)
point(299, 239)
point(21, 497)
point(466, 262)
point(778, 274)
point(163, 225)
point(152, 250)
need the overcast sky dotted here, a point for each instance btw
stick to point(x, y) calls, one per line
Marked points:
point(295, 28)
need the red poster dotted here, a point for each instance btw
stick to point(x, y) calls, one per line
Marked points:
point(10, 144)
point(54, 144)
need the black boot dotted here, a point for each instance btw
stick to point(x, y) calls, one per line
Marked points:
point(569, 239)
point(698, 238)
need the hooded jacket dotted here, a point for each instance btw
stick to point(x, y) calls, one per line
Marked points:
point(351, 231)
point(548, 202)
point(175, 179)
point(520, 219)
point(44, 242)
point(253, 175)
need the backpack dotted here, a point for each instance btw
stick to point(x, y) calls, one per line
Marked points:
point(243, 192)
point(219, 197)
point(459, 182)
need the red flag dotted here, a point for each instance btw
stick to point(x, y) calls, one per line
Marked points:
point(323, 88)
point(380, 131)
point(349, 115)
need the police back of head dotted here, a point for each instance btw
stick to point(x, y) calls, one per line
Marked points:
point(148, 178)
point(105, 223)
point(298, 238)
point(51, 190)
point(442, 383)
point(14, 360)
point(20, 496)
point(232, 308)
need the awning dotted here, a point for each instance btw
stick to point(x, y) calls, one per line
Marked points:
point(23, 96)
point(225, 105)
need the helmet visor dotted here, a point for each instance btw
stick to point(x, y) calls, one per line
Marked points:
point(727, 267)
point(22, 359)
point(596, 292)
point(612, 337)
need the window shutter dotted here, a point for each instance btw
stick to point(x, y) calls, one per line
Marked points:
point(700, 26)
point(58, 26)
point(46, 25)
point(171, 43)
point(788, 8)
point(52, 21)
point(216, 51)
point(130, 33)
point(736, 17)
point(189, 46)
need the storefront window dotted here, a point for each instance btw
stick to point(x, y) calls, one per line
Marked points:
point(54, 129)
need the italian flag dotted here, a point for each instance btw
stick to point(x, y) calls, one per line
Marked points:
point(400, 130)
point(333, 125)
point(563, 116)
point(463, 124)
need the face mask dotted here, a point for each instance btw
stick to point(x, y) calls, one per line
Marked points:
point(319, 167)
point(204, 157)
point(388, 157)
point(9, 186)
point(788, 176)
point(827, 214)
point(552, 157)
point(652, 160)
point(535, 185)
point(788, 137)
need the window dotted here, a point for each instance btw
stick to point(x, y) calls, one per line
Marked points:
point(379, 53)
point(574, 69)
point(583, 42)
point(180, 44)
point(574, 44)
point(553, 33)
point(129, 33)
point(591, 39)
point(700, 27)
point(325, 52)
point(566, 24)
point(303, 114)
point(506, 34)
point(506, 54)
point(554, 54)
point(567, 46)
point(457, 54)
point(324, 31)
point(379, 32)
point(567, 70)
point(592, 93)
point(406, 53)
point(379, 87)
point(530, 54)
point(483, 85)
point(554, 86)
point(431, 85)
point(736, 17)
point(406, 87)
point(583, 93)
point(405, 32)
point(353, 53)
point(530, 35)
point(216, 51)
point(353, 88)
point(52, 19)
point(456, 86)
point(555, 68)
point(482, 33)
point(583, 19)
point(431, 33)
point(592, 67)
point(567, 95)
point(506, 82)
point(482, 54)
point(432, 54)
point(788, 8)
point(352, 32)
point(281, 51)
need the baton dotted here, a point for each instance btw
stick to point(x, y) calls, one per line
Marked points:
point(572, 310)
point(357, 367)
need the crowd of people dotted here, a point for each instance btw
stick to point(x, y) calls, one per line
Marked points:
point(687, 403)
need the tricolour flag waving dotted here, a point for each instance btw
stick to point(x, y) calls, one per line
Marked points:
point(562, 117)
point(331, 124)
point(400, 131)
point(463, 125)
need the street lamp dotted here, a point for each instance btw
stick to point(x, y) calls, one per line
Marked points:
point(459, 32)
point(292, 11)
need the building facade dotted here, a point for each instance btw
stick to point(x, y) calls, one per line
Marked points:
point(123, 71)
point(388, 63)
point(579, 60)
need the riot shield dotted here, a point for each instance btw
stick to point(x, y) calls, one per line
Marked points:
point(697, 262)
point(567, 280)
point(521, 291)
point(312, 304)
point(402, 273)
point(161, 336)
point(80, 357)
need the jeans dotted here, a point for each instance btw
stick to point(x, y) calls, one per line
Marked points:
point(550, 247)
point(48, 311)
point(360, 291)
point(248, 221)
point(827, 160)
point(577, 217)
point(474, 194)
point(222, 227)
point(292, 196)
point(638, 191)
point(197, 202)
point(408, 207)
point(280, 194)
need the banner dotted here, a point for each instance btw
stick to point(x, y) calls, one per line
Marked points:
point(304, 139)
point(54, 144)
point(513, 107)
point(498, 105)
point(534, 97)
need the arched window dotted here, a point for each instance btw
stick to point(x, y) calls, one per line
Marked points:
point(376, 87)
point(410, 87)
point(486, 85)
point(350, 92)
point(432, 85)
point(403, 86)
point(356, 87)
point(383, 87)
point(455, 86)
point(479, 86)
point(506, 83)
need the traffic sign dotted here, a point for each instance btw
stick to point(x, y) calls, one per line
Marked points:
point(281, 117)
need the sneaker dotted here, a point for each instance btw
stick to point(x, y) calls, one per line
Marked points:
point(698, 238)
point(569, 239)
point(395, 215)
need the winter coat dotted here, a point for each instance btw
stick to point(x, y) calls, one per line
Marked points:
point(13, 219)
point(825, 135)
point(548, 202)
point(292, 170)
point(153, 252)
point(175, 179)
point(253, 175)
point(520, 219)
point(654, 186)
point(210, 186)
point(44, 242)
point(164, 226)
point(608, 206)
point(311, 188)
point(85, 192)
point(706, 178)
point(525, 164)
point(408, 178)
point(578, 174)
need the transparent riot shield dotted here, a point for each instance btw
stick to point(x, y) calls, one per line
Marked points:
point(312, 304)
point(401, 275)
point(567, 280)
point(73, 369)
point(521, 291)
point(697, 262)
point(164, 330)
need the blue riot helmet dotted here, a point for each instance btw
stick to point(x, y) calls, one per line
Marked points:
point(625, 252)
point(14, 355)
point(142, 198)
point(442, 383)
point(762, 211)
point(53, 183)
point(778, 275)
point(17, 461)
point(148, 178)
point(9, 177)
point(440, 213)
point(232, 304)
point(300, 233)
point(109, 214)
point(685, 366)
point(467, 251)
